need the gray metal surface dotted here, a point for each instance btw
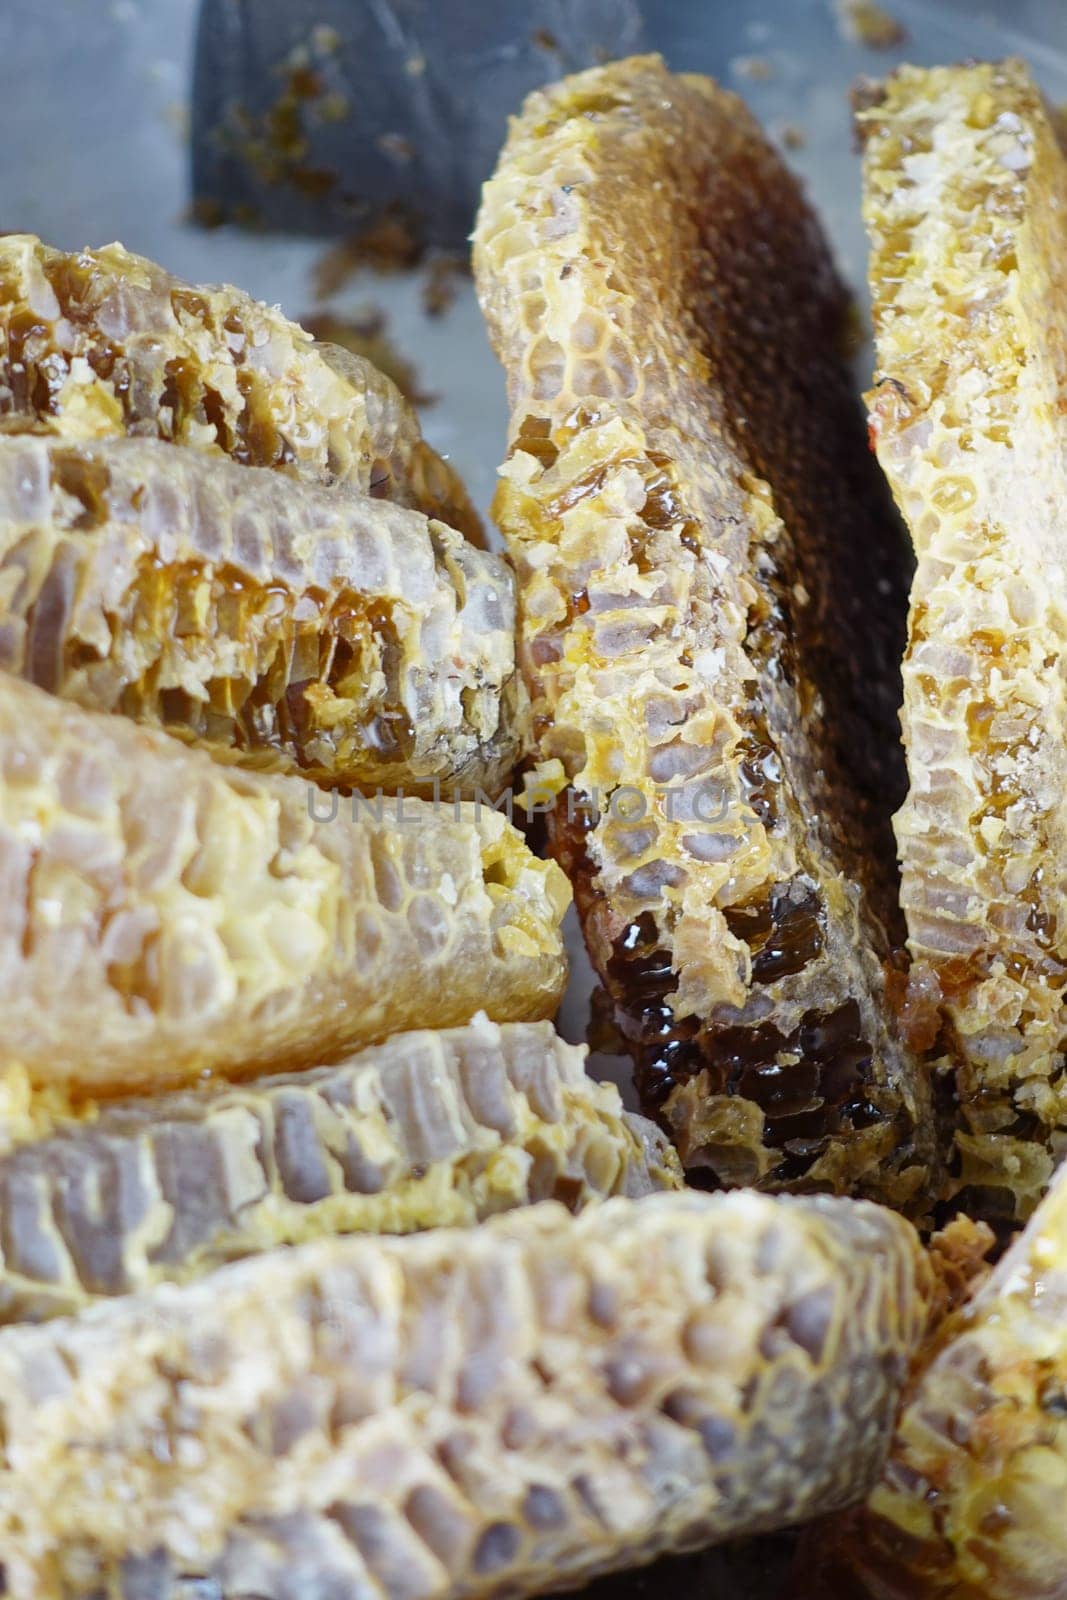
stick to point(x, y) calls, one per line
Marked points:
point(312, 113)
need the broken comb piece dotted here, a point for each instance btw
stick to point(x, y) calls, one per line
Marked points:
point(104, 342)
point(163, 916)
point(462, 1412)
point(712, 601)
point(965, 198)
point(286, 624)
point(970, 1505)
point(426, 1130)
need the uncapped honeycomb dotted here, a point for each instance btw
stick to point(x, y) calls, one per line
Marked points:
point(457, 1413)
point(104, 342)
point(970, 1504)
point(291, 625)
point(426, 1130)
point(712, 595)
point(965, 198)
point(164, 917)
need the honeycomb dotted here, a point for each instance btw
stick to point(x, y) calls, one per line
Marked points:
point(312, 630)
point(208, 965)
point(966, 205)
point(712, 602)
point(426, 1130)
point(165, 918)
point(104, 342)
point(970, 1505)
point(473, 1412)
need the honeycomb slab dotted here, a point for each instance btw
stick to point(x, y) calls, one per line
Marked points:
point(965, 198)
point(713, 591)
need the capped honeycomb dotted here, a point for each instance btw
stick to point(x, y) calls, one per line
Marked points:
point(965, 198)
point(102, 342)
point(467, 1412)
point(309, 629)
point(426, 1130)
point(712, 600)
point(164, 917)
